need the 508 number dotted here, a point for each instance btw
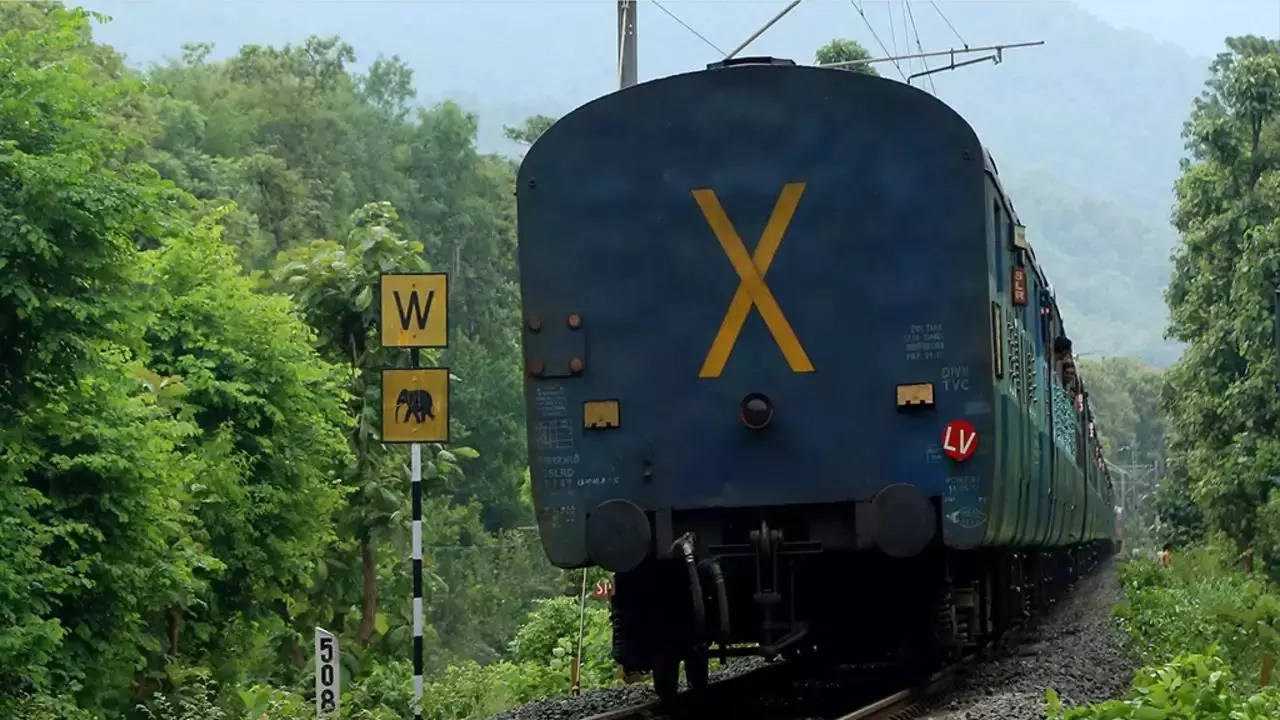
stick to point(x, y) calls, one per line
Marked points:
point(327, 698)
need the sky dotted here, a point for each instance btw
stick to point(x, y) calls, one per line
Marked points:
point(1197, 26)
point(507, 59)
point(486, 25)
point(549, 55)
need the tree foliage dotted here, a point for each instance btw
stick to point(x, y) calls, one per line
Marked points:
point(302, 151)
point(844, 50)
point(530, 131)
point(1221, 396)
point(1203, 629)
point(1125, 395)
point(170, 436)
point(190, 455)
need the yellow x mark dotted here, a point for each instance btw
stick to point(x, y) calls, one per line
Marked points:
point(752, 289)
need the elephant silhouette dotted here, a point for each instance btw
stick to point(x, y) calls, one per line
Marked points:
point(417, 404)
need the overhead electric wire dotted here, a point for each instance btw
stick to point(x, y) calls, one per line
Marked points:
point(948, 22)
point(875, 35)
point(893, 34)
point(687, 27)
point(919, 46)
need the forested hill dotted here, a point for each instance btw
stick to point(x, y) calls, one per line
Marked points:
point(1086, 129)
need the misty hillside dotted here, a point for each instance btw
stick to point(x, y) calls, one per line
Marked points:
point(1085, 129)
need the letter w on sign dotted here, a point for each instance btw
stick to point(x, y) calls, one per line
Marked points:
point(752, 289)
point(415, 312)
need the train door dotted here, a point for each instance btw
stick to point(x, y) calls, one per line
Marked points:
point(1024, 284)
point(1041, 378)
point(1002, 498)
point(1065, 473)
point(1016, 455)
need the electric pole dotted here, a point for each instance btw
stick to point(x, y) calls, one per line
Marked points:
point(627, 43)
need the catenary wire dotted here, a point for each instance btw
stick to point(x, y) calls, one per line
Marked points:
point(687, 27)
point(893, 33)
point(919, 46)
point(876, 35)
point(948, 22)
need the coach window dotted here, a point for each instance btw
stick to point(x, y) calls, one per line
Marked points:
point(996, 228)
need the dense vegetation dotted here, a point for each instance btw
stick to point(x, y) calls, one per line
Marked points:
point(1204, 629)
point(189, 455)
point(189, 431)
point(1210, 423)
point(1221, 397)
point(1209, 627)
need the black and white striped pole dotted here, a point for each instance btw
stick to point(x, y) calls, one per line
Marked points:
point(415, 405)
point(415, 552)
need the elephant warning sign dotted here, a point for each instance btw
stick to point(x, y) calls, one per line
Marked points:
point(414, 310)
point(415, 405)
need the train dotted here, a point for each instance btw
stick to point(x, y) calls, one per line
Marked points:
point(794, 375)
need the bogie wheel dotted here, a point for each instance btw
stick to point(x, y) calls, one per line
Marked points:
point(666, 676)
point(696, 671)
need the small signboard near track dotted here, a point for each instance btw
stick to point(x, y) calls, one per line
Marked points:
point(603, 590)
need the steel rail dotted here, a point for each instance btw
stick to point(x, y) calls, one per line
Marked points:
point(626, 712)
point(897, 706)
point(686, 700)
point(905, 703)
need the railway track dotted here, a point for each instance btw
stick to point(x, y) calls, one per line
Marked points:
point(786, 691)
point(905, 704)
point(804, 690)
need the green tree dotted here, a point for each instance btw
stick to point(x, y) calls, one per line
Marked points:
point(1125, 395)
point(466, 218)
point(190, 457)
point(95, 541)
point(1221, 395)
point(844, 50)
point(530, 130)
point(297, 141)
point(1180, 520)
point(335, 285)
point(296, 145)
point(271, 446)
point(389, 87)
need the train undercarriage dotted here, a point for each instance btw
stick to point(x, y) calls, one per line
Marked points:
point(776, 597)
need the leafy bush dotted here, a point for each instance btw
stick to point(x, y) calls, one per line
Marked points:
point(1190, 687)
point(1199, 603)
point(550, 635)
point(471, 690)
point(539, 666)
point(263, 702)
point(198, 700)
point(385, 693)
point(42, 706)
point(1203, 629)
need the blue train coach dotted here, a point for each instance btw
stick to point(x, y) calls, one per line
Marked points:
point(794, 374)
